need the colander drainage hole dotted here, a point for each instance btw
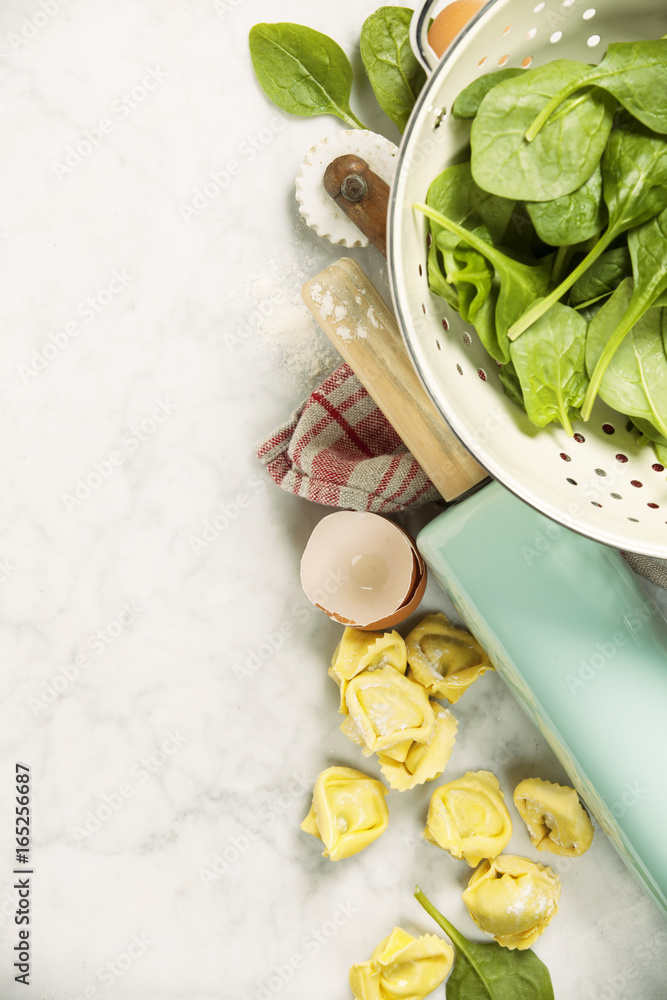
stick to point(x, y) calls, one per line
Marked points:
point(588, 14)
point(467, 340)
point(423, 308)
point(566, 458)
point(653, 506)
point(600, 472)
point(445, 325)
point(616, 496)
point(593, 41)
point(530, 34)
point(556, 37)
point(526, 62)
point(621, 458)
point(579, 438)
point(608, 428)
point(503, 60)
point(421, 270)
point(634, 520)
point(573, 482)
point(595, 503)
point(657, 467)
point(437, 344)
point(635, 482)
point(459, 369)
point(482, 374)
point(538, 8)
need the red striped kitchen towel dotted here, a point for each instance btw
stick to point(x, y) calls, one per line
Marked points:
point(339, 449)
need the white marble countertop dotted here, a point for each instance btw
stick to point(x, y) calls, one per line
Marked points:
point(163, 675)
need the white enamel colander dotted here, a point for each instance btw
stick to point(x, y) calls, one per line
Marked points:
point(600, 483)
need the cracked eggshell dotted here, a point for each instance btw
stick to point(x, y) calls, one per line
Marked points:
point(362, 570)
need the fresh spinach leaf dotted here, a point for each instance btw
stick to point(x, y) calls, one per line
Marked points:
point(635, 382)
point(647, 246)
point(550, 364)
point(634, 186)
point(602, 277)
point(564, 154)
point(303, 71)
point(468, 101)
point(520, 284)
point(633, 72)
point(455, 194)
point(573, 217)
point(472, 276)
point(511, 384)
point(436, 276)
point(392, 68)
point(489, 971)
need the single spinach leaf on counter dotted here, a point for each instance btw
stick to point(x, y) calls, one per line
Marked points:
point(392, 68)
point(467, 103)
point(489, 971)
point(602, 277)
point(572, 218)
point(520, 284)
point(634, 186)
point(550, 363)
point(647, 245)
point(635, 383)
point(564, 154)
point(303, 71)
point(633, 72)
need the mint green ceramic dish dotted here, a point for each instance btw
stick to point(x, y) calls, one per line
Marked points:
point(583, 648)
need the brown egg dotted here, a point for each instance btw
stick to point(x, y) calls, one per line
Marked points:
point(449, 22)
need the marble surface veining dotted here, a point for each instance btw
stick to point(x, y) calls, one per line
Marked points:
point(163, 676)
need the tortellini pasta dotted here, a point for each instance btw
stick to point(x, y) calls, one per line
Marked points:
point(556, 819)
point(444, 658)
point(424, 761)
point(358, 651)
point(468, 817)
point(387, 713)
point(348, 811)
point(402, 968)
point(512, 899)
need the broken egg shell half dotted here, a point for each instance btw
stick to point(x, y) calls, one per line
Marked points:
point(362, 570)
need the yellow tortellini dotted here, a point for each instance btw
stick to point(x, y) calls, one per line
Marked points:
point(360, 650)
point(387, 713)
point(556, 819)
point(348, 811)
point(468, 817)
point(402, 968)
point(513, 899)
point(444, 658)
point(424, 761)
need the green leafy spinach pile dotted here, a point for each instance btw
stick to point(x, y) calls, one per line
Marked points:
point(552, 239)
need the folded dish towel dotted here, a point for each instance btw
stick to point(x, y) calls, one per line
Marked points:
point(339, 449)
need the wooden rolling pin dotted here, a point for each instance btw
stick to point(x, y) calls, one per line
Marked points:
point(361, 326)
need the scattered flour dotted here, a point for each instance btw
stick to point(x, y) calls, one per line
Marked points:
point(286, 326)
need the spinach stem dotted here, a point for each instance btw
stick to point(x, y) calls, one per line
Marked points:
point(478, 244)
point(555, 102)
point(448, 928)
point(543, 305)
point(632, 315)
point(560, 263)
